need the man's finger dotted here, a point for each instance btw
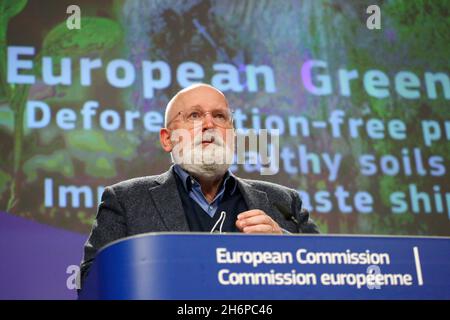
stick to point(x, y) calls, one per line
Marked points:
point(260, 219)
point(260, 228)
point(250, 213)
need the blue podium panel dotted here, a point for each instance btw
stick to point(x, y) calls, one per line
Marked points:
point(238, 266)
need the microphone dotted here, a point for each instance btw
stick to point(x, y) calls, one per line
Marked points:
point(222, 218)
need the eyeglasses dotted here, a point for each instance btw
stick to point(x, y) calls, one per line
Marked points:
point(221, 118)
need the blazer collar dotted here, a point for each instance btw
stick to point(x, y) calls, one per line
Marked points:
point(168, 202)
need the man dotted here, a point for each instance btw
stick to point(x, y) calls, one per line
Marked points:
point(199, 191)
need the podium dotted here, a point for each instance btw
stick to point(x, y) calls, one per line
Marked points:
point(185, 266)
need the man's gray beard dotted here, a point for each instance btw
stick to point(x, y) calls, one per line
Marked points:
point(206, 171)
point(203, 166)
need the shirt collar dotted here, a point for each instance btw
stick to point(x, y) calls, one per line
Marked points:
point(229, 182)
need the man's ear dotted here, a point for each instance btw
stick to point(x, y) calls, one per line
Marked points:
point(164, 139)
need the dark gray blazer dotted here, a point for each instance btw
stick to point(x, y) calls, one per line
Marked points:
point(153, 204)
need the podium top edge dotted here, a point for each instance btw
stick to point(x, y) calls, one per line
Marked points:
point(236, 234)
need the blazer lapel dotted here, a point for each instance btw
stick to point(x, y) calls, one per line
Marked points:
point(168, 202)
point(255, 199)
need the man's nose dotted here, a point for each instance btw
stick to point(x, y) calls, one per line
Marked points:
point(208, 122)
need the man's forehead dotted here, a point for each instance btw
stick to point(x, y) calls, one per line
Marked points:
point(202, 97)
